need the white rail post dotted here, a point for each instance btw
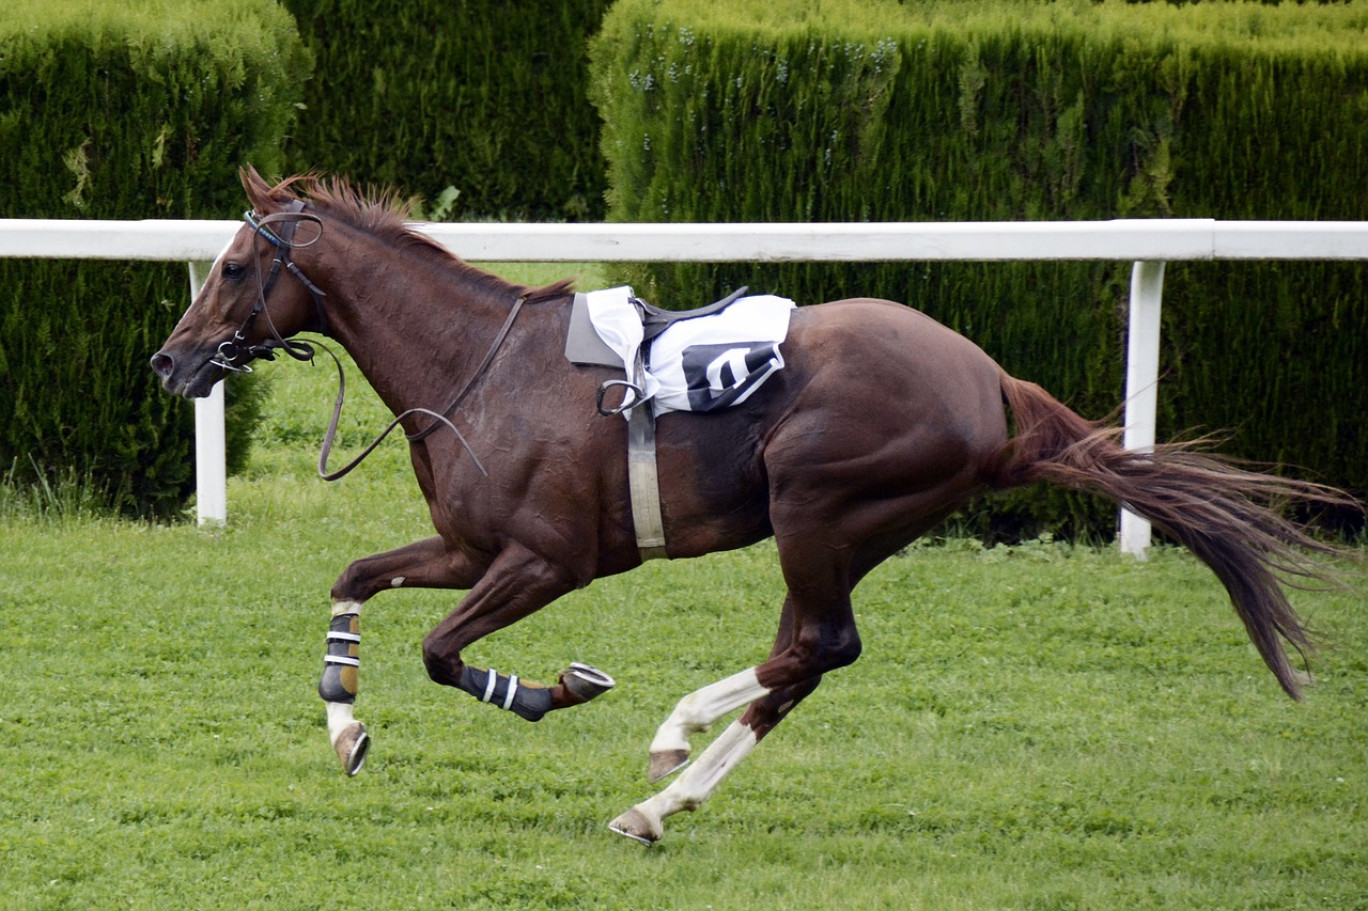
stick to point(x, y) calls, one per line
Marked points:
point(1142, 385)
point(211, 461)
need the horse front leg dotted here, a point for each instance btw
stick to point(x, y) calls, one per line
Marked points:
point(430, 563)
point(518, 583)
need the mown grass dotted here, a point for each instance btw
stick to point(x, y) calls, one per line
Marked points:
point(1036, 727)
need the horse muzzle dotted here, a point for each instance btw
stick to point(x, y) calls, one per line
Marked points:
point(179, 378)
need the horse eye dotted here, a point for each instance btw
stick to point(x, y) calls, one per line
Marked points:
point(234, 271)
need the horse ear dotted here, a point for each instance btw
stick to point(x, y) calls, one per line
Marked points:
point(258, 190)
point(253, 184)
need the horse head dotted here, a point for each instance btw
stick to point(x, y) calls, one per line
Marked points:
point(248, 307)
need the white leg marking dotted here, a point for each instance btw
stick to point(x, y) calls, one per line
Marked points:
point(700, 710)
point(702, 778)
point(339, 719)
point(346, 607)
point(396, 581)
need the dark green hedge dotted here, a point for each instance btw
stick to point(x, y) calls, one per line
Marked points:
point(488, 97)
point(122, 111)
point(838, 110)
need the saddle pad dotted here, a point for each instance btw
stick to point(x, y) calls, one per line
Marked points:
point(699, 364)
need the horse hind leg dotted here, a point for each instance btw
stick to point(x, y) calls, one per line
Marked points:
point(696, 712)
point(818, 641)
point(700, 710)
point(670, 751)
point(645, 821)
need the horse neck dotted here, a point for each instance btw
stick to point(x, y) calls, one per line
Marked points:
point(416, 326)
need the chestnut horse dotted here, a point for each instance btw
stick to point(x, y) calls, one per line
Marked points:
point(881, 423)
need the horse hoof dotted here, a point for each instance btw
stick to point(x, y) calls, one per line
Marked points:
point(586, 682)
point(635, 825)
point(351, 746)
point(665, 763)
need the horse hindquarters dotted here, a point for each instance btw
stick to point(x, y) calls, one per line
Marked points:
point(1217, 511)
point(878, 435)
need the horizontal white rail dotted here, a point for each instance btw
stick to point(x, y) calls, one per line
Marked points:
point(1146, 243)
point(1121, 240)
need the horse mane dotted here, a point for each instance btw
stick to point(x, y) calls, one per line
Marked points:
point(384, 214)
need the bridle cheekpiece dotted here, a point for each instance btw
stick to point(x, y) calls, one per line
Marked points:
point(234, 353)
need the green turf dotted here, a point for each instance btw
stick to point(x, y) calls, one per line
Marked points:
point(1039, 727)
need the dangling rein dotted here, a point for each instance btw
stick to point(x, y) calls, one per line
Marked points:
point(439, 419)
point(304, 351)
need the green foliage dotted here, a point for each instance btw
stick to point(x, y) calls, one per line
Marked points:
point(833, 110)
point(488, 97)
point(122, 111)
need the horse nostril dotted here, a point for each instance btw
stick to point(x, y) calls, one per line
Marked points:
point(163, 364)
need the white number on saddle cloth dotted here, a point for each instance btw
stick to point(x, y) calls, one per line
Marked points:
point(720, 375)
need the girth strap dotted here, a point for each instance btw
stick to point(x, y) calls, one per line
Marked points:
point(643, 484)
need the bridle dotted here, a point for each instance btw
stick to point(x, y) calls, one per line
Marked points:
point(283, 239)
point(230, 352)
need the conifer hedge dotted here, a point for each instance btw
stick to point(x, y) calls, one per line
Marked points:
point(484, 96)
point(139, 109)
point(851, 110)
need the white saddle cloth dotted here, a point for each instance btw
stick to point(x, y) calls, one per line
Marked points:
point(698, 364)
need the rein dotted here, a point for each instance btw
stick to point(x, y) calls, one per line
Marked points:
point(231, 351)
point(439, 419)
point(470, 383)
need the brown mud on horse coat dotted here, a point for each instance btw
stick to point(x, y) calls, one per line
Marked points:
point(882, 422)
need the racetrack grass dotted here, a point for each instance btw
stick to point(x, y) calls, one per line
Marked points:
point(1036, 727)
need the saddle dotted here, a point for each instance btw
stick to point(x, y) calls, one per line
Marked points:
point(655, 320)
point(584, 346)
point(699, 368)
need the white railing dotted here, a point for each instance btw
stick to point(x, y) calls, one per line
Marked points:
point(1149, 244)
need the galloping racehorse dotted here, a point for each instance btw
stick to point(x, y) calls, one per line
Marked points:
point(880, 424)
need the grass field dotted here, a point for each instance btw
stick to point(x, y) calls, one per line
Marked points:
point(1039, 727)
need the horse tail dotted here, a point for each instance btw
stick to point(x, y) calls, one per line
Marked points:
point(1230, 518)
